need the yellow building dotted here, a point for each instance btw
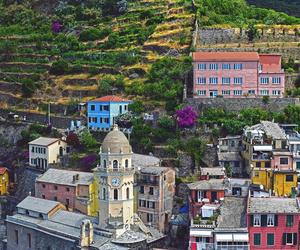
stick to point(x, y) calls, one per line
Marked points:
point(4, 181)
point(284, 182)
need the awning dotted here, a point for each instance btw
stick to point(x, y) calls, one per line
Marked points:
point(224, 237)
point(263, 148)
point(241, 237)
point(199, 232)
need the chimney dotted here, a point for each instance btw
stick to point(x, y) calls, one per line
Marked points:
point(77, 177)
point(74, 178)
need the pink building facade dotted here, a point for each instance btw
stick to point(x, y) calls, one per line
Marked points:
point(237, 74)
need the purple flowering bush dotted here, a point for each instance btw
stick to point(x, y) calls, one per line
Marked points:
point(56, 27)
point(186, 117)
point(88, 162)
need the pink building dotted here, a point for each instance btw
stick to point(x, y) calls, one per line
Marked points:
point(273, 223)
point(237, 74)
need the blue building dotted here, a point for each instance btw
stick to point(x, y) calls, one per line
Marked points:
point(103, 110)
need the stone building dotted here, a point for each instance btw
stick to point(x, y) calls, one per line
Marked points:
point(76, 190)
point(44, 151)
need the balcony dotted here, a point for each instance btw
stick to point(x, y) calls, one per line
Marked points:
point(261, 156)
point(213, 246)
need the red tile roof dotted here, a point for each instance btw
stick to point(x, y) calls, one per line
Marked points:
point(270, 63)
point(3, 170)
point(225, 56)
point(110, 98)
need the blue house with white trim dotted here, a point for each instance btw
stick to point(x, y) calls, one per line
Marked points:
point(103, 110)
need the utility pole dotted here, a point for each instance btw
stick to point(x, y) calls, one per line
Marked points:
point(49, 120)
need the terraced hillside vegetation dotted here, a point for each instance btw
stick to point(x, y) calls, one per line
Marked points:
point(65, 52)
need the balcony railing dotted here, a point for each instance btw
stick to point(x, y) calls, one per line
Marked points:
point(213, 246)
point(261, 157)
point(148, 182)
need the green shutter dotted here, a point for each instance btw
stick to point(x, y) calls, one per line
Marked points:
point(257, 239)
point(289, 220)
point(264, 220)
point(270, 239)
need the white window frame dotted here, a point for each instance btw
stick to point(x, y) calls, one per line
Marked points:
point(256, 220)
point(201, 80)
point(201, 66)
point(213, 80)
point(237, 92)
point(226, 66)
point(264, 92)
point(276, 80)
point(252, 90)
point(292, 243)
point(238, 80)
point(264, 80)
point(276, 92)
point(213, 66)
point(238, 66)
point(226, 80)
point(201, 92)
point(270, 220)
point(225, 92)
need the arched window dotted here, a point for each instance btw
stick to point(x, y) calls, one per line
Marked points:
point(115, 194)
point(127, 193)
point(115, 164)
point(104, 194)
point(104, 163)
point(126, 163)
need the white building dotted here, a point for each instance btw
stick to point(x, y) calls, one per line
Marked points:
point(44, 151)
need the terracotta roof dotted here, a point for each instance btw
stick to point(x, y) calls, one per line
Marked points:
point(270, 63)
point(3, 170)
point(110, 98)
point(225, 56)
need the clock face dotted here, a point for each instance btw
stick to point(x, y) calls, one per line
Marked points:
point(115, 182)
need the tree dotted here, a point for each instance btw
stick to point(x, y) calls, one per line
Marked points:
point(195, 148)
point(87, 140)
point(252, 32)
point(88, 162)
point(186, 117)
point(137, 107)
point(73, 140)
point(59, 67)
point(28, 88)
point(105, 85)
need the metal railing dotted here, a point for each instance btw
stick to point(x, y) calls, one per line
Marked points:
point(213, 246)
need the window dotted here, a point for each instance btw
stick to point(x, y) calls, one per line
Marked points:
point(225, 80)
point(67, 202)
point(226, 66)
point(43, 196)
point(257, 240)
point(225, 92)
point(264, 80)
point(289, 220)
point(289, 178)
point(257, 220)
point(104, 163)
point(90, 119)
point(213, 66)
point(142, 203)
point(43, 185)
point(276, 80)
point(55, 187)
point(238, 80)
point(201, 80)
point(238, 66)
point(126, 163)
point(276, 92)
point(93, 107)
point(237, 92)
point(236, 191)
point(201, 92)
point(270, 239)
point(151, 191)
point(256, 173)
point(264, 92)
point(251, 92)
point(213, 80)
point(94, 119)
point(106, 120)
point(289, 239)
point(201, 195)
point(32, 149)
point(201, 66)
point(104, 193)
point(68, 189)
point(55, 198)
point(298, 165)
point(149, 217)
point(106, 107)
point(284, 161)
point(115, 164)
point(17, 237)
point(270, 220)
point(142, 191)
point(267, 164)
point(115, 194)
point(127, 193)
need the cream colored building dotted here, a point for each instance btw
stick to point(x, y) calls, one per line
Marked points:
point(115, 175)
point(44, 151)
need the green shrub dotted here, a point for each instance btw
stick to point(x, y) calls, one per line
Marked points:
point(93, 34)
point(59, 67)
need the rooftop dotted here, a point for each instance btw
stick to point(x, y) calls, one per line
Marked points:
point(228, 137)
point(232, 213)
point(270, 63)
point(153, 170)
point(225, 56)
point(212, 171)
point(66, 177)
point(110, 98)
point(273, 205)
point(44, 141)
point(39, 205)
point(212, 184)
point(139, 160)
point(271, 129)
point(229, 156)
point(3, 170)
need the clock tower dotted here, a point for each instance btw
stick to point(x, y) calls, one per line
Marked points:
point(115, 175)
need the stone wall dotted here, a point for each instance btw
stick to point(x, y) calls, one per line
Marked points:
point(237, 104)
point(11, 132)
point(57, 121)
